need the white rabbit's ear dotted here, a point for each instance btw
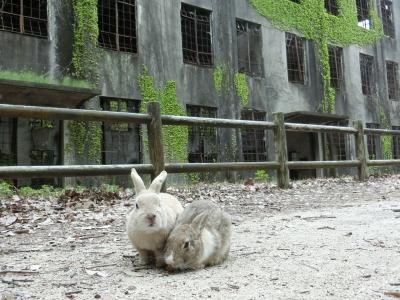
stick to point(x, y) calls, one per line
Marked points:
point(199, 221)
point(158, 182)
point(137, 182)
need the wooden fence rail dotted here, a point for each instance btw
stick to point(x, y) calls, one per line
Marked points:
point(154, 121)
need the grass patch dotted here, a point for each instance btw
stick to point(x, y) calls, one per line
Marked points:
point(29, 76)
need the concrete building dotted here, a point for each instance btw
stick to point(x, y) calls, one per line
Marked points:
point(199, 44)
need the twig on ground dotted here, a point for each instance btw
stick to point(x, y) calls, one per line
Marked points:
point(314, 268)
point(22, 272)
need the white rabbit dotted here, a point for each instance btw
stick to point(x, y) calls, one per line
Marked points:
point(201, 237)
point(152, 218)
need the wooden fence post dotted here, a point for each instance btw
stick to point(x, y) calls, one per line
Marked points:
point(281, 150)
point(154, 132)
point(360, 149)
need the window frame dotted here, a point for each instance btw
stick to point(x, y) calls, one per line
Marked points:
point(300, 77)
point(249, 63)
point(333, 55)
point(396, 144)
point(373, 142)
point(364, 19)
point(195, 19)
point(259, 155)
point(22, 18)
point(116, 33)
point(393, 84)
point(332, 8)
point(388, 23)
point(368, 84)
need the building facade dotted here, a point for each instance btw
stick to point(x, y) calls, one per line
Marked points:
point(225, 58)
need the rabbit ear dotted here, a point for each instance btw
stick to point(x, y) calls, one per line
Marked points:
point(199, 221)
point(137, 182)
point(157, 183)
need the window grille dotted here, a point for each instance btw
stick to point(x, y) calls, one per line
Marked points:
point(367, 74)
point(396, 144)
point(335, 63)
point(387, 17)
point(363, 14)
point(24, 16)
point(249, 43)
point(331, 7)
point(295, 58)
point(253, 140)
point(7, 142)
point(117, 25)
point(202, 140)
point(392, 70)
point(373, 142)
point(196, 35)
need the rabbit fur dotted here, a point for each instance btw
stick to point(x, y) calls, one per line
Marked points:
point(152, 218)
point(201, 237)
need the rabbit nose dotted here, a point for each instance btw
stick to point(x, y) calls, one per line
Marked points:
point(151, 217)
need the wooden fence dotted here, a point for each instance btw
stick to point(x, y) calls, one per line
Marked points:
point(154, 121)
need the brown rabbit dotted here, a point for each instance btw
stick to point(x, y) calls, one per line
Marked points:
point(201, 237)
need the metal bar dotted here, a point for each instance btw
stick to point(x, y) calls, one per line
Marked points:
point(212, 122)
point(71, 171)
point(388, 162)
point(318, 128)
point(381, 131)
point(210, 167)
point(39, 112)
point(322, 164)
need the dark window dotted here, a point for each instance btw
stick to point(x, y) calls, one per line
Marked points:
point(24, 16)
point(42, 158)
point(387, 17)
point(396, 144)
point(117, 25)
point(202, 140)
point(367, 74)
point(196, 35)
point(249, 43)
point(122, 141)
point(392, 70)
point(253, 140)
point(373, 142)
point(335, 63)
point(363, 14)
point(295, 57)
point(7, 142)
point(338, 141)
point(331, 7)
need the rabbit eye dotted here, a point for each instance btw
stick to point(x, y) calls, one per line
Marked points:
point(186, 245)
point(137, 206)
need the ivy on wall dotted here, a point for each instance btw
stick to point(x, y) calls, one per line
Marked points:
point(85, 138)
point(311, 20)
point(175, 138)
point(222, 82)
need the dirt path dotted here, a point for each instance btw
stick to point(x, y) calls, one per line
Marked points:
point(334, 239)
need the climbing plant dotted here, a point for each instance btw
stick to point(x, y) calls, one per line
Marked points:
point(85, 138)
point(242, 89)
point(175, 138)
point(311, 20)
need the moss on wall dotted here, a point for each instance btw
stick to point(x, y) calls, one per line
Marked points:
point(175, 138)
point(311, 20)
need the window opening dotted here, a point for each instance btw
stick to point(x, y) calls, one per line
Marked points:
point(295, 58)
point(335, 63)
point(367, 74)
point(392, 70)
point(253, 140)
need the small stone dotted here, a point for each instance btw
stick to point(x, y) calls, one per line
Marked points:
point(97, 296)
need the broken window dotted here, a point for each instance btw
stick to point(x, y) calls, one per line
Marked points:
point(249, 44)
point(196, 35)
point(24, 16)
point(387, 17)
point(367, 74)
point(392, 70)
point(8, 139)
point(335, 63)
point(122, 141)
point(396, 144)
point(331, 7)
point(295, 58)
point(202, 140)
point(253, 140)
point(373, 142)
point(363, 14)
point(117, 25)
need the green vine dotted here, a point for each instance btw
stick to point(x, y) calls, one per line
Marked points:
point(311, 20)
point(86, 137)
point(175, 138)
point(242, 89)
point(218, 76)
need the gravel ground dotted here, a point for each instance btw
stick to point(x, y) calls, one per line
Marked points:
point(322, 239)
